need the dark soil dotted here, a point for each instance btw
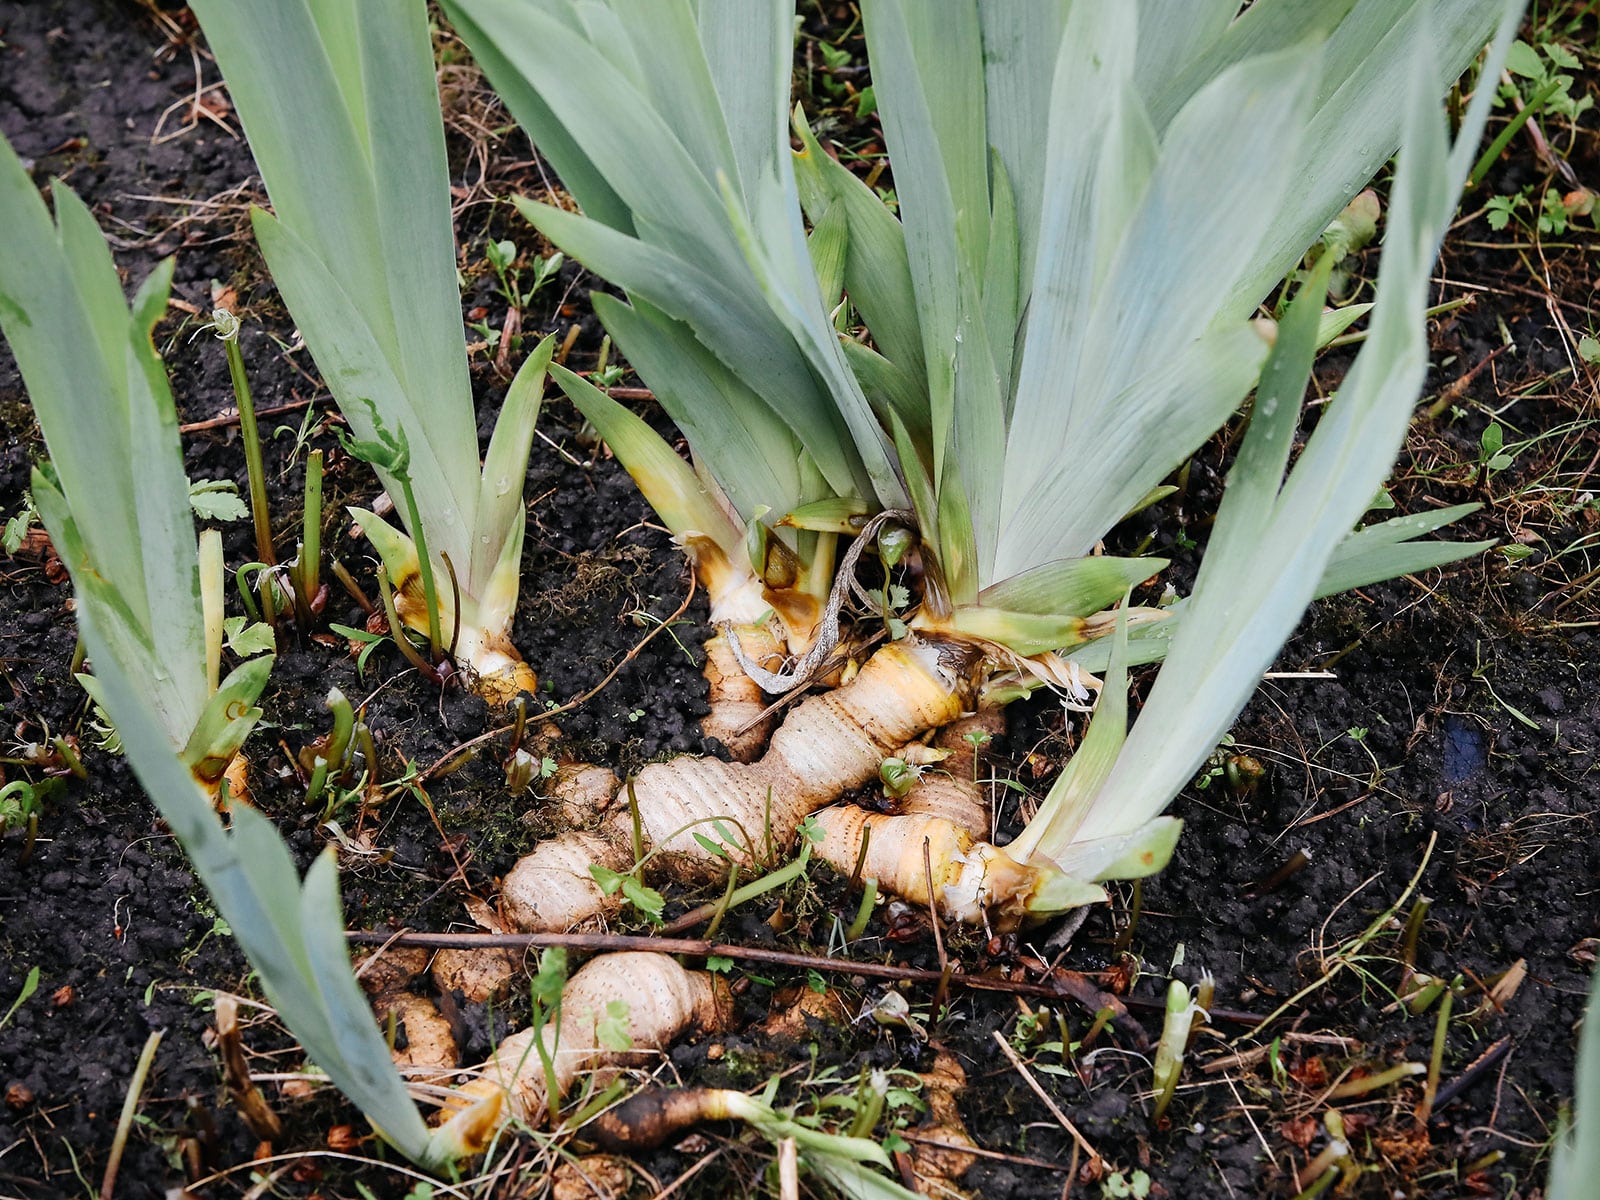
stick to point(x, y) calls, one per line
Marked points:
point(1441, 725)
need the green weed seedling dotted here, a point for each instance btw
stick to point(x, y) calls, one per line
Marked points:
point(30, 985)
point(1539, 83)
point(312, 425)
point(21, 803)
point(503, 256)
point(17, 525)
point(367, 640)
point(217, 500)
point(1126, 1185)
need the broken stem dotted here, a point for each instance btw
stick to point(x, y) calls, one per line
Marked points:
point(130, 1106)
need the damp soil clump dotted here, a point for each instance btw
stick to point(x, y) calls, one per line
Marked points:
point(1436, 728)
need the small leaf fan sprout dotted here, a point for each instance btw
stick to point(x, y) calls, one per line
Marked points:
point(342, 112)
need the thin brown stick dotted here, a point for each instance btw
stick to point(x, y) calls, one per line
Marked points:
point(1020, 1160)
point(1055, 1109)
point(1472, 1072)
point(1457, 388)
point(247, 1097)
point(690, 1173)
point(712, 911)
point(373, 1165)
point(489, 735)
point(1249, 1058)
point(1244, 1110)
point(701, 948)
point(788, 1169)
point(696, 948)
point(233, 419)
